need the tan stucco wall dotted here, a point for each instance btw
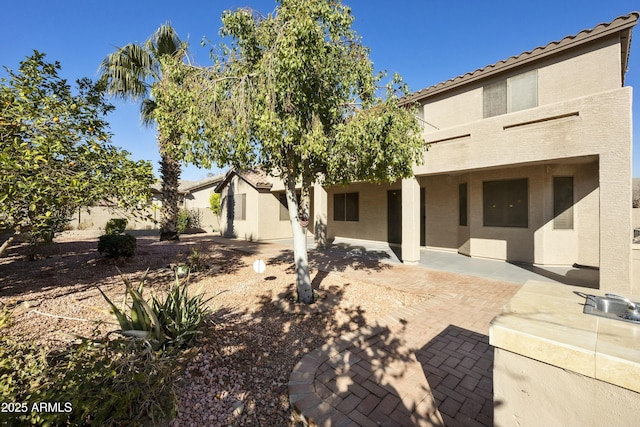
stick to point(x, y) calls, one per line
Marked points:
point(540, 243)
point(269, 222)
point(244, 229)
point(598, 65)
point(199, 198)
point(596, 126)
point(531, 393)
point(599, 124)
point(507, 243)
point(372, 224)
point(96, 219)
point(441, 219)
point(262, 213)
point(271, 227)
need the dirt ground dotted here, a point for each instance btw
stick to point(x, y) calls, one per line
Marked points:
point(242, 362)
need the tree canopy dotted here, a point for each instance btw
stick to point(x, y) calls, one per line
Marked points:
point(55, 154)
point(294, 94)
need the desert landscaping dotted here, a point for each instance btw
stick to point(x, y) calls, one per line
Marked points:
point(238, 369)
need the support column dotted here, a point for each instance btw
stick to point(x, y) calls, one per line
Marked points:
point(615, 226)
point(410, 221)
point(320, 216)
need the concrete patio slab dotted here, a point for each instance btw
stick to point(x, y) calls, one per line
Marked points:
point(456, 263)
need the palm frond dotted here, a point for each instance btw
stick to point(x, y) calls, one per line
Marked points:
point(127, 70)
point(147, 107)
point(165, 41)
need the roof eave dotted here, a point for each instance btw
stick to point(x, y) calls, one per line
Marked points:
point(622, 24)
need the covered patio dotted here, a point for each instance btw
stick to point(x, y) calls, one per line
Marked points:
point(453, 262)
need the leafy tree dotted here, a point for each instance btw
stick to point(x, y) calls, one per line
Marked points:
point(54, 152)
point(131, 72)
point(214, 204)
point(294, 94)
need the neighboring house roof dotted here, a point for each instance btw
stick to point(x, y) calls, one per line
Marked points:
point(186, 187)
point(622, 24)
point(190, 186)
point(257, 179)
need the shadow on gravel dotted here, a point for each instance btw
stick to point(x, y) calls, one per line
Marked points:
point(72, 266)
point(258, 349)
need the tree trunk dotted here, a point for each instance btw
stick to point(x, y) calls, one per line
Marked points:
point(170, 175)
point(303, 280)
point(7, 243)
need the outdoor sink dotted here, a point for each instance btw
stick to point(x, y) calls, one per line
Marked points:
point(613, 307)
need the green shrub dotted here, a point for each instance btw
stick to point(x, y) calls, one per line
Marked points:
point(115, 245)
point(214, 203)
point(5, 316)
point(188, 218)
point(195, 262)
point(108, 382)
point(116, 226)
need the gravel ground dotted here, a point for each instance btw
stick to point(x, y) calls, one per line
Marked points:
point(240, 366)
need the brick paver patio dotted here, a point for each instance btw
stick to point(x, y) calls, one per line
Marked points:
point(425, 365)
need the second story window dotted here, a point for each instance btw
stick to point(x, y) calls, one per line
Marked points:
point(513, 94)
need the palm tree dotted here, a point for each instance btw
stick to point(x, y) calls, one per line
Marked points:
point(131, 72)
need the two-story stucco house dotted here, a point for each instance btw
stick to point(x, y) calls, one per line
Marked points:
point(529, 160)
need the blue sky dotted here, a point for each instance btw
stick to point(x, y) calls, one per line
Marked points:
point(426, 41)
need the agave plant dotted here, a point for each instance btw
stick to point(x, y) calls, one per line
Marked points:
point(174, 321)
point(137, 320)
point(180, 314)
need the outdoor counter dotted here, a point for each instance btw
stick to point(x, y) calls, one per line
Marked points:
point(555, 365)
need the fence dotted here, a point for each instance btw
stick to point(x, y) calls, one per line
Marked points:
point(96, 218)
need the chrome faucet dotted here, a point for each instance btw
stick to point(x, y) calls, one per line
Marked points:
point(631, 306)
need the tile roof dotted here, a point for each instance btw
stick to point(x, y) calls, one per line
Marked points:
point(256, 178)
point(185, 187)
point(619, 24)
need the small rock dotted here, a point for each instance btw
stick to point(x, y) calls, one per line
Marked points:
point(238, 407)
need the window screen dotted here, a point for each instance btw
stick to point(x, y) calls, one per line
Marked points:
point(513, 94)
point(505, 203)
point(238, 202)
point(284, 211)
point(494, 98)
point(563, 202)
point(284, 207)
point(346, 207)
point(338, 207)
point(523, 91)
point(351, 207)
